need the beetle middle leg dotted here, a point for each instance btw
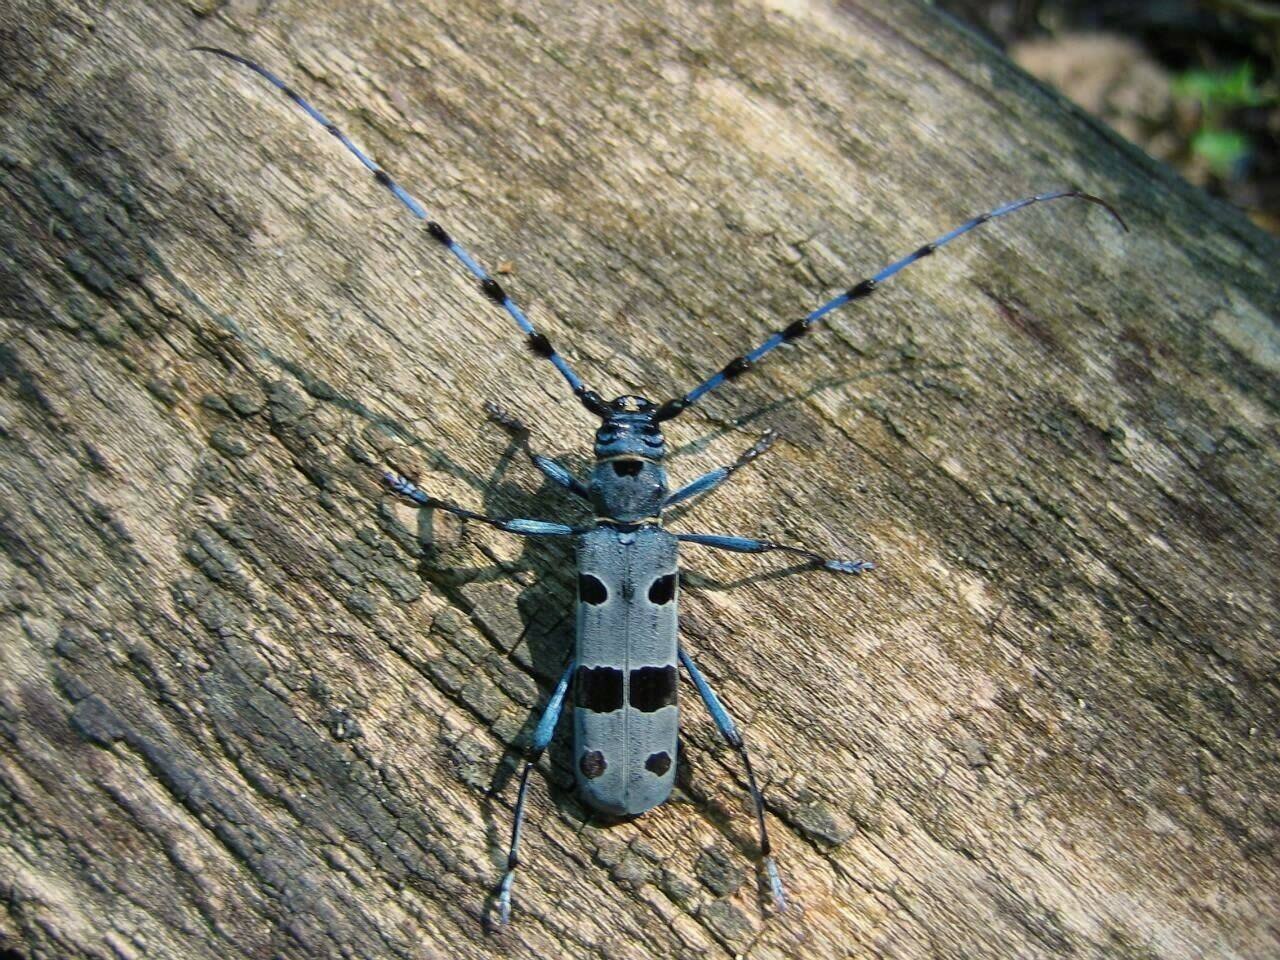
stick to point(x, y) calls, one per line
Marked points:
point(729, 731)
point(750, 545)
point(518, 525)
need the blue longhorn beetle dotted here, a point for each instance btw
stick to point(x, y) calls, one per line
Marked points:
point(623, 670)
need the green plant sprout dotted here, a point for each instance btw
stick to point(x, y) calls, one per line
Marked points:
point(1218, 93)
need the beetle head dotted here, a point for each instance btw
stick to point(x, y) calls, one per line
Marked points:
point(629, 431)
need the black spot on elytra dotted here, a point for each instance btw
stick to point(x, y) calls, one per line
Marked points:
point(592, 764)
point(592, 589)
point(658, 763)
point(663, 589)
point(598, 689)
point(653, 688)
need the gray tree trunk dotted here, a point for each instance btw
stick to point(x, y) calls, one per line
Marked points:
point(252, 706)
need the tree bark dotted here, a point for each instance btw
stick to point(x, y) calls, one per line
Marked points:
point(251, 705)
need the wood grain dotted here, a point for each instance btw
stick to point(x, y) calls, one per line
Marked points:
point(252, 707)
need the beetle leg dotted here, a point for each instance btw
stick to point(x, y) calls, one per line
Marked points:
point(712, 479)
point(548, 467)
point(541, 737)
point(749, 545)
point(730, 733)
point(517, 525)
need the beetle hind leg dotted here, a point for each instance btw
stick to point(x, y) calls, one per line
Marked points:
point(541, 738)
point(730, 733)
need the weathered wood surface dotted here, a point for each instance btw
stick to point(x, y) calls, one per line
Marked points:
point(244, 711)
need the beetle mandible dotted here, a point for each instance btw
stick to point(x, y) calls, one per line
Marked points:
point(624, 666)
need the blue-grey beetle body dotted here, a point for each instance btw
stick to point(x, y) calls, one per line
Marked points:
point(624, 703)
point(625, 717)
point(624, 665)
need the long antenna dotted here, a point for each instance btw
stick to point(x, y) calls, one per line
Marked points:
point(859, 291)
point(490, 287)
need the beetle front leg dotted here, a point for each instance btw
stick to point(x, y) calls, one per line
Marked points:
point(548, 467)
point(713, 478)
point(749, 545)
